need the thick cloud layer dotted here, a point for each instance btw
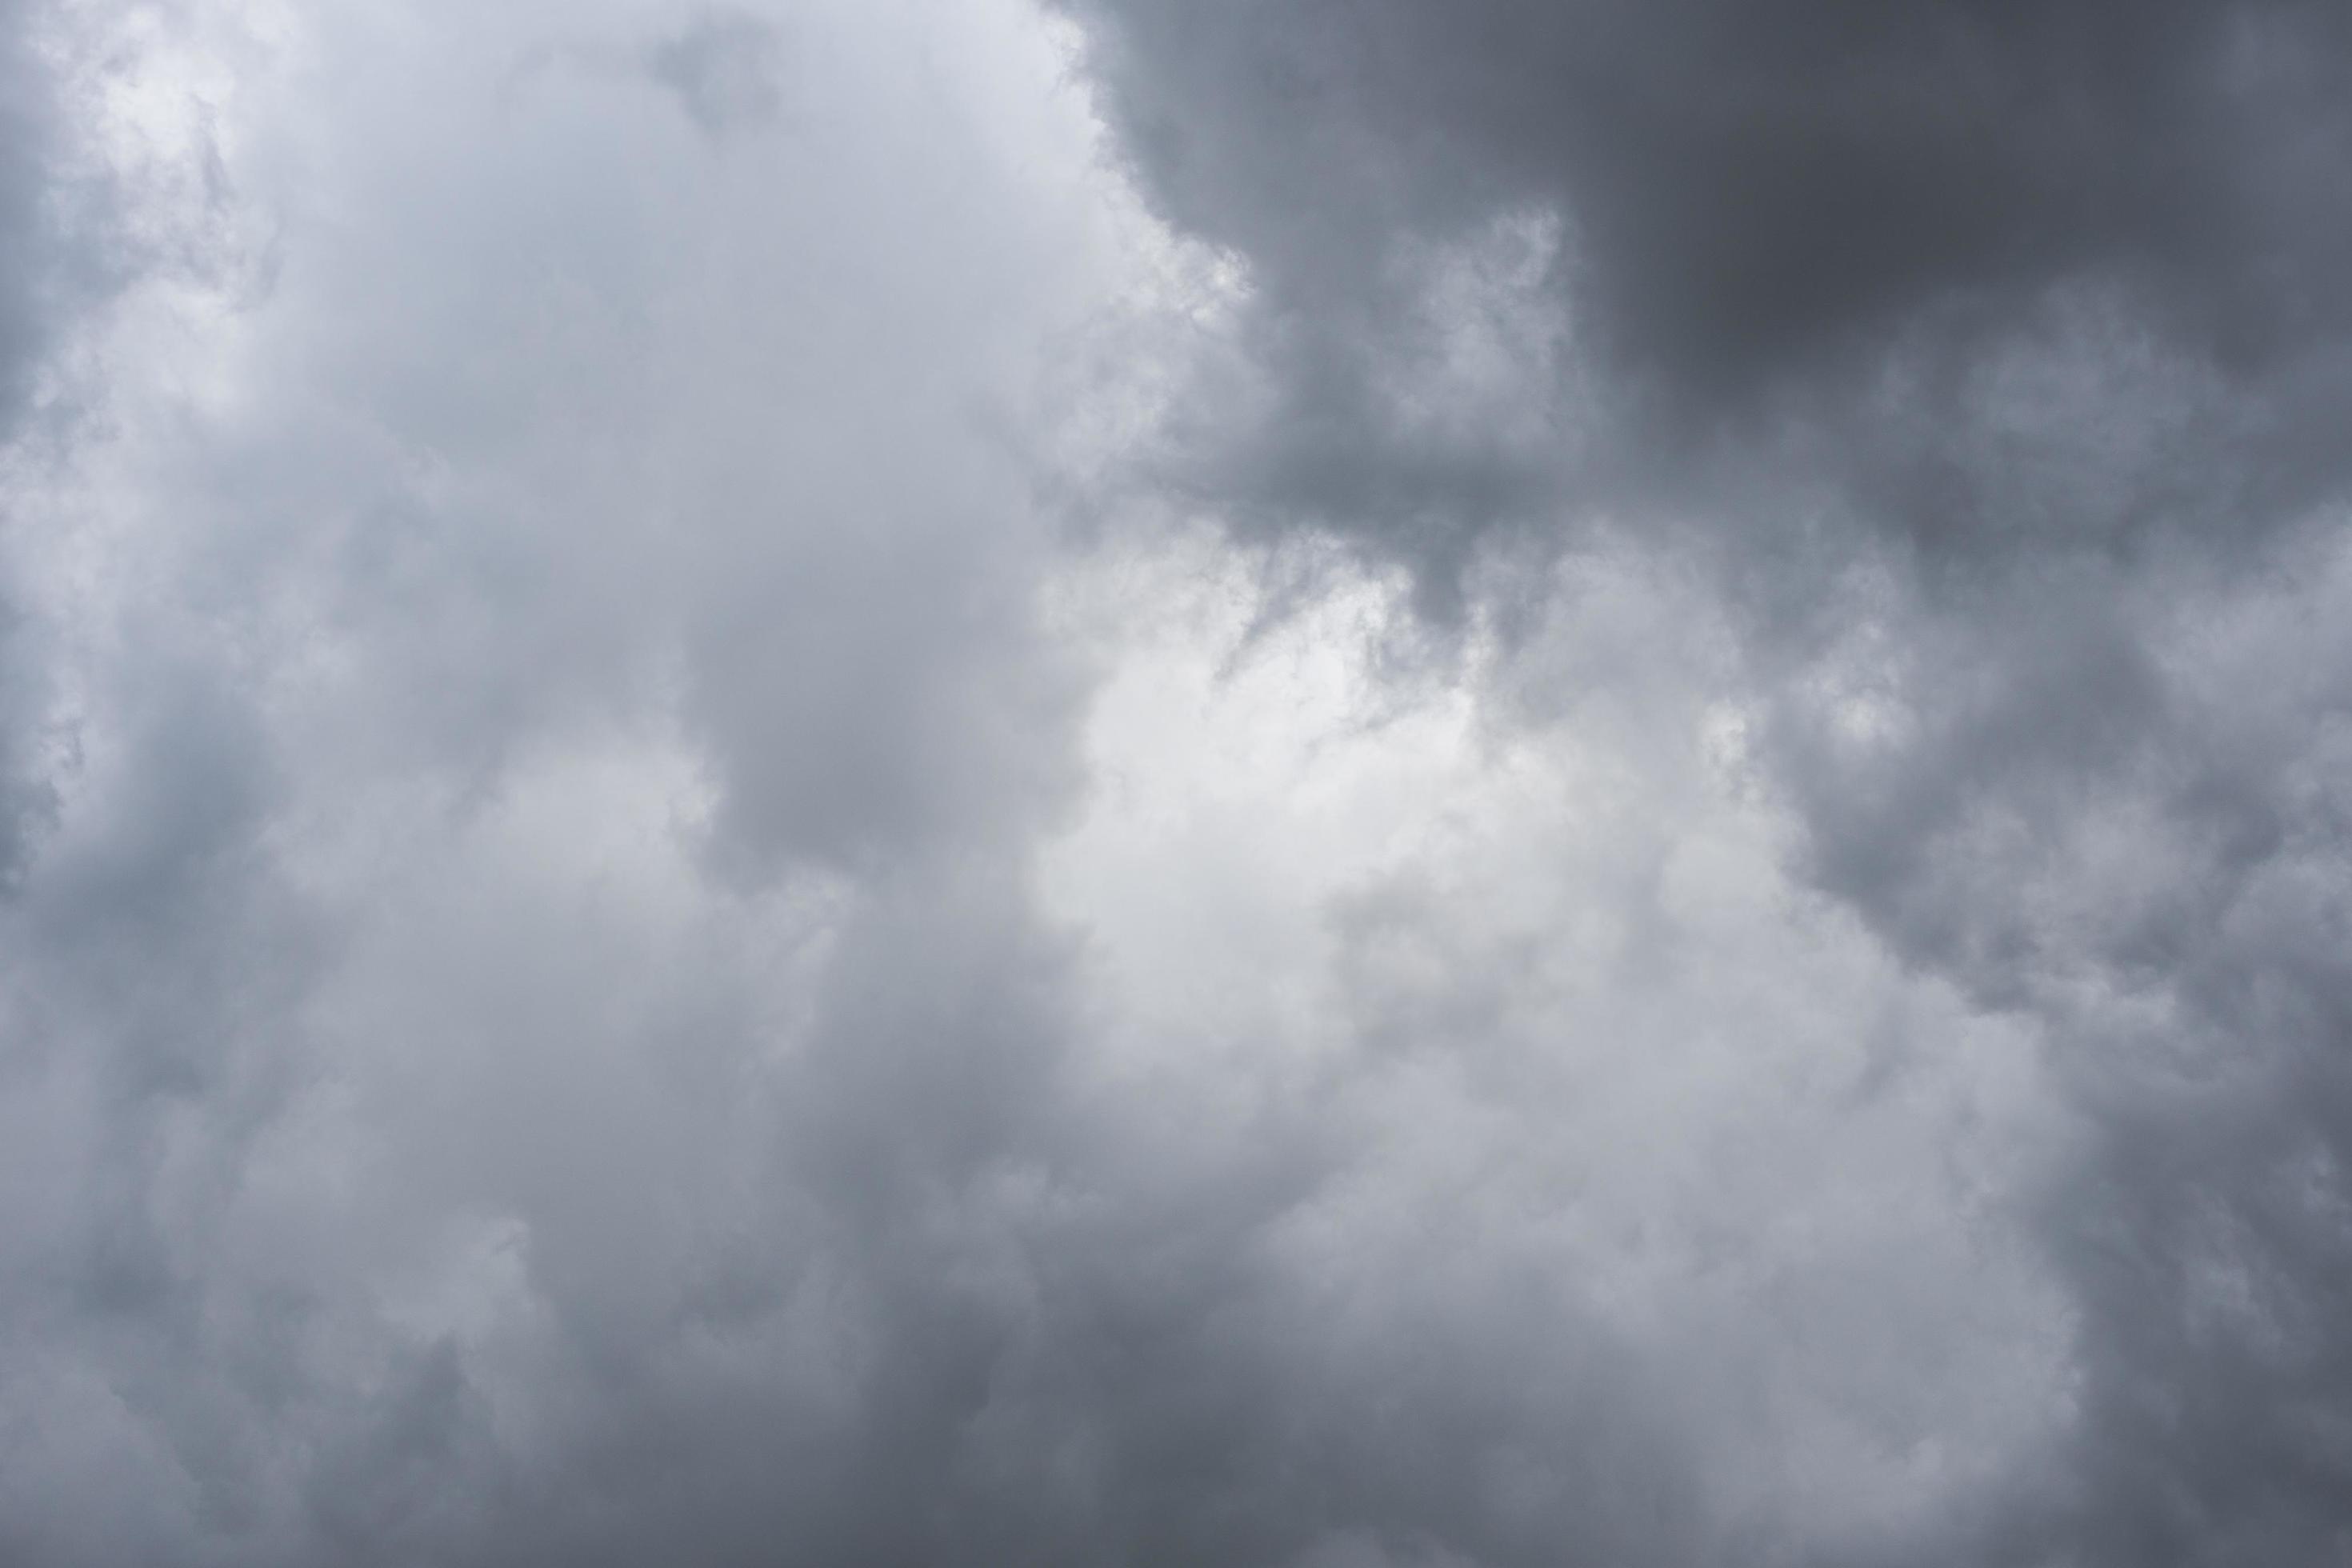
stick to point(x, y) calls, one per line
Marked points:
point(1331, 785)
point(1828, 237)
point(1992, 358)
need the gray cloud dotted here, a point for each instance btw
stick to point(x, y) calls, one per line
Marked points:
point(1708, 930)
point(1985, 356)
point(28, 268)
point(724, 68)
point(1811, 239)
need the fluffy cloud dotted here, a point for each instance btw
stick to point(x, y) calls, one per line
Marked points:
point(1327, 785)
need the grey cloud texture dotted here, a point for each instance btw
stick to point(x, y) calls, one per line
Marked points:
point(727, 68)
point(28, 268)
point(1991, 358)
point(1322, 786)
point(21, 185)
point(724, 66)
point(1821, 238)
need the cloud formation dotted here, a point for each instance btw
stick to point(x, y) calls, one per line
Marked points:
point(1836, 243)
point(1988, 358)
point(1327, 785)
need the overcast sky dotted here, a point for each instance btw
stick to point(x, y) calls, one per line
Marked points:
point(1325, 784)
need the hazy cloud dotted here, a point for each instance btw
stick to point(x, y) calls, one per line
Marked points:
point(724, 67)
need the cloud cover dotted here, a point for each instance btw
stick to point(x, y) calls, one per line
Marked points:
point(1506, 783)
point(1993, 358)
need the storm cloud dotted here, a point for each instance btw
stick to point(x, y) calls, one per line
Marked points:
point(1137, 782)
point(1991, 359)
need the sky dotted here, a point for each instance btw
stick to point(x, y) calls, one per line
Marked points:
point(1414, 784)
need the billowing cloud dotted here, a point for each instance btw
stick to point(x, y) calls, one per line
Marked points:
point(1152, 784)
point(1987, 360)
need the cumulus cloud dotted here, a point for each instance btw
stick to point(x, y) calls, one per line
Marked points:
point(1331, 785)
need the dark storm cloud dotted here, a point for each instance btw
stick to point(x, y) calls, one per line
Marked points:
point(1779, 218)
point(1995, 358)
